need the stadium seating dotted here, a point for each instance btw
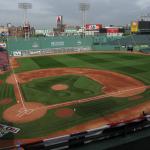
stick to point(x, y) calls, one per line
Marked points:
point(4, 62)
point(145, 50)
point(130, 40)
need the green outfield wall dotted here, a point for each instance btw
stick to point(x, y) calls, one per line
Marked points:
point(15, 45)
point(47, 45)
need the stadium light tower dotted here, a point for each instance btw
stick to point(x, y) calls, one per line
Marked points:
point(25, 7)
point(84, 7)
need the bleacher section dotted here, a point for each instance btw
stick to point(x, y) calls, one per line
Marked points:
point(145, 50)
point(4, 62)
point(131, 40)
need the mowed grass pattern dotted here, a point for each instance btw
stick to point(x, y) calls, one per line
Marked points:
point(136, 66)
point(78, 87)
point(6, 91)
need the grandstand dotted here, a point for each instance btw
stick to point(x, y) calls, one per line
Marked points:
point(131, 40)
point(145, 50)
point(4, 61)
point(138, 42)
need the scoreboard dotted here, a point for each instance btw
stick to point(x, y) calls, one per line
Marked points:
point(144, 26)
point(140, 26)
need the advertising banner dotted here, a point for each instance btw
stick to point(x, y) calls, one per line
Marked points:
point(113, 30)
point(93, 27)
point(59, 19)
point(57, 43)
point(4, 129)
point(134, 27)
point(17, 53)
point(3, 45)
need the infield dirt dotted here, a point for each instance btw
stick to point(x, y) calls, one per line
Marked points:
point(115, 85)
point(112, 82)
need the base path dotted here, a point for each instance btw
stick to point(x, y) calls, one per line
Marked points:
point(14, 63)
point(120, 116)
point(129, 113)
point(112, 81)
point(115, 85)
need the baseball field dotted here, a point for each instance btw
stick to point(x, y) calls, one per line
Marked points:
point(48, 96)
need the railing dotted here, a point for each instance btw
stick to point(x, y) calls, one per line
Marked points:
point(105, 132)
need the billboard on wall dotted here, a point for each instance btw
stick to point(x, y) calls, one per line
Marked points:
point(2, 45)
point(93, 27)
point(144, 24)
point(134, 27)
point(112, 30)
point(4, 129)
point(17, 53)
point(59, 19)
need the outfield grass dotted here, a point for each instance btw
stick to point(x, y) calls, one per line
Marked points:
point(137, 66)
point(134, 65)
point(6, 91)
point(84, 112)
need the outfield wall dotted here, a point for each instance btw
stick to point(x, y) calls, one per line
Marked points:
point(68, 44)
point(59, 44)
point(47, 45)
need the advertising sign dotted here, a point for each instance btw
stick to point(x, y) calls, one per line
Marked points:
point(4, 129)
point(59, 19)
point(35, 45)
point(17, 53)
point(59, 43)
point(112, 30)
point(134, 27)
point(70, 30)
point(93, 27)
point(3, 45)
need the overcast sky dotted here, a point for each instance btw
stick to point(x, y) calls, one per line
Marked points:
point(44, 12)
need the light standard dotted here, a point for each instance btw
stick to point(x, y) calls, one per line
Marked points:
point(25, 7)
point(84, 7)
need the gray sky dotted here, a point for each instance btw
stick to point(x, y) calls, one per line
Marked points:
point(44, 12)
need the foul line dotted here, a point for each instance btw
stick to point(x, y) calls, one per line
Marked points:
point(87, 99)
point(25, 111)
point(21, 98)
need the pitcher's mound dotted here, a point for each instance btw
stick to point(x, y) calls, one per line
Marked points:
point(17, 114)
point(64, 113)
point(59, 87)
